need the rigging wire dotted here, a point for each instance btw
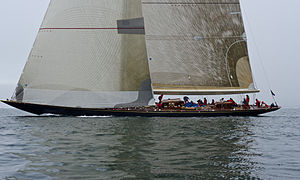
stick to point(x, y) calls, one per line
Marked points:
point(259, 55)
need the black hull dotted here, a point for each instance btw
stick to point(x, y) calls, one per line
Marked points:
point(74, 111)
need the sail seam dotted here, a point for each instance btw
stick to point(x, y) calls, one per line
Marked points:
point(212, 3)
point(85, 28)
point(162, 37)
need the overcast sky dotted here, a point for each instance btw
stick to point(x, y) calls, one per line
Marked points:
point(272, 26)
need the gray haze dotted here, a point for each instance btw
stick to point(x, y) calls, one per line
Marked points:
point(272, 27)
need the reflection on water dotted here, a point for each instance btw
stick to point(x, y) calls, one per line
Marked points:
point(184, 148)
point(137, 148)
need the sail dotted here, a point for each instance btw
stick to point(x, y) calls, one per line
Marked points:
point(197, 47)
point(88, 54)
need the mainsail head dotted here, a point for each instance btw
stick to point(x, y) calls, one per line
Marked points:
point(197, 47)
point(81, 58)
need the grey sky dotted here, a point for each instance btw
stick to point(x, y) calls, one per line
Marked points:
point(272, 26)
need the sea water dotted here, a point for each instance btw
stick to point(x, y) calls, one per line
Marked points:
point(52, 147)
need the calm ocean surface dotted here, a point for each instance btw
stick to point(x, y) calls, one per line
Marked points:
point(266, 147)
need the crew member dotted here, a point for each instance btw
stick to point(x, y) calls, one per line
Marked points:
point(160, 98)
point(257, 103)
point(233, 102)
point(200, 103)
point(245, 104)
point(159, 104)
point(247, 99)
point(263, 104)
point(186, 99)
point(205, 101)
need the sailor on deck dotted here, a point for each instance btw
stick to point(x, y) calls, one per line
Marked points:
point(159, 105)
point(257, 103)
point(200, 103)
point(245, 104)
point(186, 99)
point(212, 102)
point(205, 102)
point(247, 99)
point(263, 104)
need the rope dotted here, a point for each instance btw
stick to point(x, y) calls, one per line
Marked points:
point(259, 56)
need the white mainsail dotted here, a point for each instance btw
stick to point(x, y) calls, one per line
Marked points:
point(82, 57)
point(197, 47)
point(95, 53)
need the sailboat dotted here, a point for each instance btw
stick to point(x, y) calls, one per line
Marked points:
point(109, 57)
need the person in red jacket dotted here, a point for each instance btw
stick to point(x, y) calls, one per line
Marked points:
point(160, 98)
point(248, 99)
point(263, 104)
point(232, 101)
point(159, 105)
point(257, 103)
point(205, 101)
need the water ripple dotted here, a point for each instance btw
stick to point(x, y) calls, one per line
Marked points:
point(54, 147)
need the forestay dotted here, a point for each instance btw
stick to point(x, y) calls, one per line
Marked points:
point(197, 47)
point(82, 58)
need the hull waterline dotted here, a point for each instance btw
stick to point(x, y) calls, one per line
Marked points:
point(75, 111)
